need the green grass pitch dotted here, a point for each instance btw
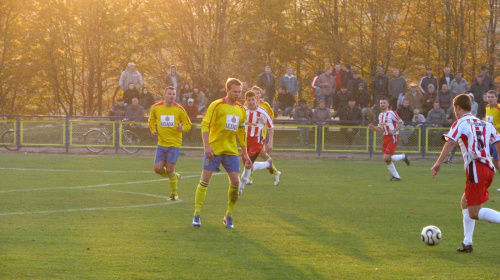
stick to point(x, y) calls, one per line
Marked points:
point(107, 217)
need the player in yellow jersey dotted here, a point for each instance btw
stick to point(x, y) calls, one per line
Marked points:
point(167, 121)
point(223, 121)
point(493, 117)
point(264, 154)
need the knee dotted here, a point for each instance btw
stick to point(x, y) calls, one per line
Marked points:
point(170, 170)
point(159, 170)
point(387, 159)
point(473, 215)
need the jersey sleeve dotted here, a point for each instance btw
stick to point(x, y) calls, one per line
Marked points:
point(186, 122)
point(207, 119)
point(454, 132)
point(152, 120)
point(495, 137)
point(396, 117)
point(241, 132)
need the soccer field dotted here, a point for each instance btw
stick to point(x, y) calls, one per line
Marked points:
point(107, 217)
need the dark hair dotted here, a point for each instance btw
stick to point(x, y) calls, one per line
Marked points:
point(143, 88)
point(493, 92)
point(484, 67)
point(249, 94)
point(302, 101)
point(283, 88)
point(319, 72)
point(169, 87)
point(120, 99)
point(464, 101)
point(255, 88)
point(232, 81)
point(384, 98)
point(347, 66)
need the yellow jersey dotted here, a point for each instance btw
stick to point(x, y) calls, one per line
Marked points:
point(493, 115)
point(165, 120)
point(264, 105)
point(224, 122)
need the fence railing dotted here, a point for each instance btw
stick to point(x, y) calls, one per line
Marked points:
point(98, 133)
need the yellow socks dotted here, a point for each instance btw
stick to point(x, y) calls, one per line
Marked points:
point(173, 178)
point(201, 192)
point(232, 197)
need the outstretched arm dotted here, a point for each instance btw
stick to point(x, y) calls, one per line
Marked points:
point(450, 144)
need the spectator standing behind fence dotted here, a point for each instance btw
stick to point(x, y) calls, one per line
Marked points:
point(130, 93)
point(191, 109)
point(405, 112)
point(353, 115)
point(380, 87)
point(146, 99)
point(353, 84)
point(322, 113)
point(130, 75)
point(446, 78)
point(417, 117)
point(315, 87)
point(488, 80)
point(427, 80)
point(186, 92)
point(363, 99)
point(346, 74)
point(267, 82)
point(118, 110)
point(200, 100)
point(397, 87)
point(437, 117)
point(285, 102)
point(415, 97)
point(478, 88)
point(175, 80)
point(337, 73)
point(429, 99)
point(474, 107)
point(341, 99)
point(290, 82)
point(326, 83)
point(459, 85)
point(445, 97)
point(134, 111)
point(303, 115)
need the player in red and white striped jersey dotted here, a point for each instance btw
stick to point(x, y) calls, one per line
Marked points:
point(257, 121)
point(389, 123)
point(473, 136)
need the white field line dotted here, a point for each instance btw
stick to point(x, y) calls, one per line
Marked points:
point(79, 170)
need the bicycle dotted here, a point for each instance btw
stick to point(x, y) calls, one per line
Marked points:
point(98, 138)
point(8, 137)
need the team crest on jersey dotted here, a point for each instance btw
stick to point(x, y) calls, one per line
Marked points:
point(167, 120)
point(232, 122)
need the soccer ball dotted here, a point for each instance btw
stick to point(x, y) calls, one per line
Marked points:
point(431, 235)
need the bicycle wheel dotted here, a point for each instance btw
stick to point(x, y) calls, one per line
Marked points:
point(9, 140)
point(95, 141)
point(130, 142)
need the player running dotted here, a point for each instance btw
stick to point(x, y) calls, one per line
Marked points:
point(167, 121)
point(224, 120)
point(389, 123)
point(473, 136)
point(256, 120)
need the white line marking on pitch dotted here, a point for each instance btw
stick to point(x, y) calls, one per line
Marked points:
point(78, 170)
point(89, 209)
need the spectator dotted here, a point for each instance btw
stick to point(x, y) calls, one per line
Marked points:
point(186, 92)
point(445, 97)
point(353, 86)
point(338, 76)
point(415, 97)
point(427, 80)
point(405, 112)
point(244, 88)
point(459, 84)
point(429, 99)
point(315, 87)
point(118, 110)
point(474, 107)
point(290, 82)
point(363, 99)
point(175, 80)
point(134, 111)
point(303, 115)
point(130, 93)
point(478, 88)
point(146, 99)
point(285, 102)
point(326, 83)
point(446, 78)
point(130, 75)
point(267, 83)
point(353, 115)
point(380, 87)
point(397, 88)
point(437, 117)
point(191, 109)
point(322, 113)
point(341, 99)
point(488, 80)
point(417, 117)
point(200, 100)
point(346, 74)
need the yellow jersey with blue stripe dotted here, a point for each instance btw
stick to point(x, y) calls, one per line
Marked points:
point(224, 122)
point(165, 120)
point(493, 115)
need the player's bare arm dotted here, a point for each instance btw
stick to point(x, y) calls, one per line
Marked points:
point(269, 145)
point(398, 127)
point(154, 134)
point(450, 144)
point(375, 128)
point(208, 151)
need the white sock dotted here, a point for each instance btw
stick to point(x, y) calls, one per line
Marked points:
point(393, 170)
point(260, 165)
point(244, 177)
point(490, 215)
point(397, 157)
point(468, 227)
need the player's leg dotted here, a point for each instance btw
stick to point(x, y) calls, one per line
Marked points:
point(273, 170)
point(469, 225)
point(247, 172)
point(231, 164)
point(389, 144)
point(172, 156)
point(209, 166)
point(403, 157)
point(161, 161)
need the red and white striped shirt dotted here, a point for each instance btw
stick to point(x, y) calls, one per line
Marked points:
point(255, 122)
point(388, 121)
point(473, 135)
